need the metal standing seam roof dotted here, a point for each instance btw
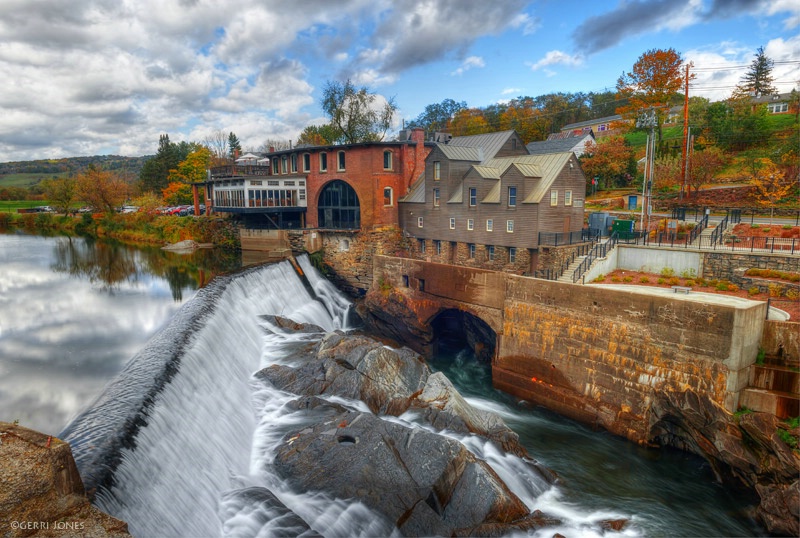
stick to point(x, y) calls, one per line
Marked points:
point(462, 153)
point(547, 167)
point(417, 192)
point(458, 194)
point(556, 146)
point(493, 196)
point(491, 143)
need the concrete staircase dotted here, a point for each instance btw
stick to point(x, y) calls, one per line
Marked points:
point(774, 387)
point(704, 237)
point(567, 275)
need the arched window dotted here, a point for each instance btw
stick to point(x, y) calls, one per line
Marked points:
point(338, 206)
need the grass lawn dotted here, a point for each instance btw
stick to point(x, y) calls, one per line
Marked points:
point(26, 179)
point(11, 206)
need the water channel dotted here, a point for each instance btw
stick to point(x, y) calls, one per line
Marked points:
point(72, 312)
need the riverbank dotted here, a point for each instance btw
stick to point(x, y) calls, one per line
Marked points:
point(140, 228)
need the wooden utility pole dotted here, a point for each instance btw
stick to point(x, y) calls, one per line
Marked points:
point(685, 133)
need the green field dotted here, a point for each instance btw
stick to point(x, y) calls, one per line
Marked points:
point(11, 206)
point(26, 179)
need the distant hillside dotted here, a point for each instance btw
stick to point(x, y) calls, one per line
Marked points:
point(29, 173)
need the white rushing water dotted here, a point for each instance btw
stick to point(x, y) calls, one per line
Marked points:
point(201, 461)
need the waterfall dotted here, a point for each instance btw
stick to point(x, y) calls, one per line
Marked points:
point(182, 442)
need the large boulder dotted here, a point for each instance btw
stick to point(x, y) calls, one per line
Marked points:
point(422, 483)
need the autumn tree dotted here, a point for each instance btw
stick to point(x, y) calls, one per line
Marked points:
point(356, 112)
point(177, 193)
point(654, 82)
point(155, 171)
point(770, 184)
point(758, 79)
point(469, 121)
point(319, 135)
point(666, 172)
point(193, 168)
point(61, 192)
point(611, 159)
point(703, 166)
point(101, 189)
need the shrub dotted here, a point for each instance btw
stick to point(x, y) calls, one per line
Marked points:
point(775, 290)
point(600, 278)
point(755, 226)
point(787, 226)
point(793, 422)
point(702, 282)
point(674, 281)
point(688, 273)
point(787, 438)
point(722, 285)
point(792, 294)
point(753, 291)
point(667, 272)
point(761, 356)
point(733, 287)
point(627, 279)
point(742, 411)
point(689, 282)
point(615, 279)
point(662, 281)
point(644, 280)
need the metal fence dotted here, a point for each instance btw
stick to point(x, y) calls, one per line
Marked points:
point(599, 251)
point(549, 239)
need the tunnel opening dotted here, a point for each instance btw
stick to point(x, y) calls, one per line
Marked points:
point(456, 330)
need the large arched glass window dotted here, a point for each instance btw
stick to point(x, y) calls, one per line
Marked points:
point(338, 206)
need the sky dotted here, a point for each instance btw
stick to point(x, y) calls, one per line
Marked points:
point(98, 77)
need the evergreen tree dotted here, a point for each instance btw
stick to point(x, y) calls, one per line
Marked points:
point(155, 171)
point(234, 146)
point(758, 79)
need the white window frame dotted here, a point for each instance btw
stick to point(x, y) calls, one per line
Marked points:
point(391, 197)
point(490, 252)
point(437, 170)
point(567, 197)
point(510, 226)
point(387, 165)
point(471, 250)
point(470, 224)
point(436, 197)
point(553, 198)
point(419, 222)
point(452, 223)
point(514, 204)
point(489, 225)
point(512, 254)
point(306, 162)
point(472, 193)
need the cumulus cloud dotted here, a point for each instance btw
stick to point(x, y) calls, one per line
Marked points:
point(557, 57)
point(469, 63)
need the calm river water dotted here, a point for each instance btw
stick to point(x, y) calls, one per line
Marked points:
point(72, 312)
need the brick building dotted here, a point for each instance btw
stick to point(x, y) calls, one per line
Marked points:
point(336, 187)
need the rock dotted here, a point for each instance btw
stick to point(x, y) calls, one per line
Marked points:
point(746, 449)
point(445, 409)
point(42, 493)
point(182, 246)
point(423, 483)
point(779, 510)
point(614, 524)
point(389, 315)
point(358, 368)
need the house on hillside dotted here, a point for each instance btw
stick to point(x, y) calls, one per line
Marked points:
point(574, 141)
point(600, 127)
point(484, 201)
point(776, 104)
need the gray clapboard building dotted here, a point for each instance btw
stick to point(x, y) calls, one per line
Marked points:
point(484, 201)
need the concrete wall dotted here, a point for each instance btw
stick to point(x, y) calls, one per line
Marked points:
point(593, 353)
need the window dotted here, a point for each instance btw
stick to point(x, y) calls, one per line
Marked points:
point(340, 163)
point(777, 108)
point(435, 197)
point(388, 196)
point(344, 245)
point(294, 163)
point(553, 198)
point(512, 255)
point(489, 225)
point(473, 196)
point(419, 222)
point(602, 127)
point(421, 246)
point(405, 281)
point(275, 166)
point(306, 162)
point(510, 226)
point(472, 251)
point(387, 160)
point(284, 160)
point(490, 252)
point(421, 284)
point(438, 245)
point(437, 170)
point(452, 223)
point(512, 196)
point(470, 224)
point(323, 162)
point(567, 197)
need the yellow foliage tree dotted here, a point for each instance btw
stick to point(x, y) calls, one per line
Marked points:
point(103, 190)
point(771, 185)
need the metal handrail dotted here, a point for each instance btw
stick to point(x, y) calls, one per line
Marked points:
point(599, 251)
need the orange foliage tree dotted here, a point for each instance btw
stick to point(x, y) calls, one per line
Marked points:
point(654, 82)
point(177, 193)
point(666, 172)
point(610, 158)
point(103, 190)
point(704, 165)
point(469, 121)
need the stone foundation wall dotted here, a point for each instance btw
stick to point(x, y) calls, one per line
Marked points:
point(782, 339)
point(459, 254)
point(723, 265)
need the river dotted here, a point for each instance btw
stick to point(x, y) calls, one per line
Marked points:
point(73, 312)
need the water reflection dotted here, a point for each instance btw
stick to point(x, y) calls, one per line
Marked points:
point(73, 311)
